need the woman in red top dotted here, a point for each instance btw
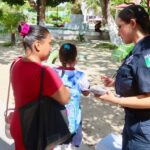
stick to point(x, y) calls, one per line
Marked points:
point(26, 75)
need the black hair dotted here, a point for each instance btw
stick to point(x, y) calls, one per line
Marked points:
point(138, 13)
point(67, 54)
point(35, 33)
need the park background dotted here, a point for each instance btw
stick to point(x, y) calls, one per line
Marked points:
point(100, 52)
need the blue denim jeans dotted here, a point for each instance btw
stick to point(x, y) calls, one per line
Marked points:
point(136, 134)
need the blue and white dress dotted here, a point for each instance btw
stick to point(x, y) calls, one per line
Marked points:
point(77, 82)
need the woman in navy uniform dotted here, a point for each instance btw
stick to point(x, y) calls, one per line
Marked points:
point(132, 81)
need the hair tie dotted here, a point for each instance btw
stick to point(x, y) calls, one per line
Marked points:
point(67, 46)
point(25, 29)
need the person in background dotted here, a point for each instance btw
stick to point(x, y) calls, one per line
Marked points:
point(98, 26)
point(132, 81)
point(78, 84)
point(26, 76)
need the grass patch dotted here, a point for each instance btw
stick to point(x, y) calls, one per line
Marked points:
point(106, 46)
point(7, 44)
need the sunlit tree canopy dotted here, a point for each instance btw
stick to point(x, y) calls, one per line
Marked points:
point(13, 2)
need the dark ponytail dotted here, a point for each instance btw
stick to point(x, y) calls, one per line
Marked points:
point(67, 54)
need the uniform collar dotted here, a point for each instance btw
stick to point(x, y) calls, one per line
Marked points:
point(141, 45)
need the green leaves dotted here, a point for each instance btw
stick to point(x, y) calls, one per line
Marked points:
point(117, 2)
point(122, 51)
point(54, 3)
point(1, 13)
point(14, 2)
point(9, 21)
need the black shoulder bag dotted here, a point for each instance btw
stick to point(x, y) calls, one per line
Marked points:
point(44, 122)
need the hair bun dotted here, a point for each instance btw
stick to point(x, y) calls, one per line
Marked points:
point(67, 46)
point(25, 28)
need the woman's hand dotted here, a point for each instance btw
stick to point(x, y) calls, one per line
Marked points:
point(109, 97)
point(108, 82)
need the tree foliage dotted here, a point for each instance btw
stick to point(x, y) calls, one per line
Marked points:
point(9, 19)
point(93, 4)
point(1, 13)
point(117, 2)
point(54, 3)
point(41, 9)
point(14, 2)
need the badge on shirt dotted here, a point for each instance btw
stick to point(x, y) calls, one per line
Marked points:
point(147, 60)
point(128, 60)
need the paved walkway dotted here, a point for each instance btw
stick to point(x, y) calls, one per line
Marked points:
point(97, 117)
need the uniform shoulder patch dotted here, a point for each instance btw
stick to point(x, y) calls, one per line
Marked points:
point(147, 60)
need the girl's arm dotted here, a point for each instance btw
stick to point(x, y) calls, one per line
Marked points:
point(84, 85)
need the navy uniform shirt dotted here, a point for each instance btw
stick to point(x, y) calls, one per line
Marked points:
point(133, 76)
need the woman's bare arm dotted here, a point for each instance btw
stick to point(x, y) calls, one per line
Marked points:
point(136, 102)
point(62, 96)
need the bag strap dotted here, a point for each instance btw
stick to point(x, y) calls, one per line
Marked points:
point(9, 85)
point(8, 93)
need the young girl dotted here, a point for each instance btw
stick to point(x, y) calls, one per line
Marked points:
point(78, 83)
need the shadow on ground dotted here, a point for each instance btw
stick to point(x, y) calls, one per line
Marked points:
point(99, 119)
point(8, 54)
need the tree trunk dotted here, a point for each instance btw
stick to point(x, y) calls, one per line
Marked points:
point(39, 6)
point(105, 6)
point(42, 12)
point(147, 2)
point(109, 22)
point(13, 38)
